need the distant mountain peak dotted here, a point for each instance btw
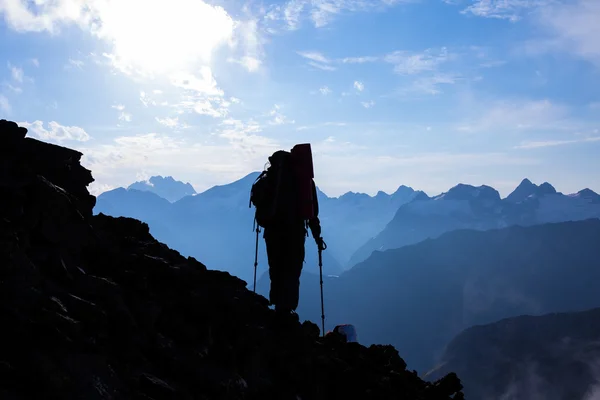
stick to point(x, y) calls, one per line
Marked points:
point(546, 188)
point(403, 190)
point(469, 192)
point(166, 187)
point(589, 195)
point(526, 189)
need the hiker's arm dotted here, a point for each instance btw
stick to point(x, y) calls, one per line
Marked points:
point(314, 224)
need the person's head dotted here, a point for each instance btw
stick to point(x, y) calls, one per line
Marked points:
point(278, 158)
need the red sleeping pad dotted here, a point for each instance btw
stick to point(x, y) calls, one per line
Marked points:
point(303, 165)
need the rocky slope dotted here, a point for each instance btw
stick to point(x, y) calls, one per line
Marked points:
point(93, 307)
point(553, 357)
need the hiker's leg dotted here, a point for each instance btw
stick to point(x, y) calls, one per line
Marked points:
point(295, 262)
point(276, 258)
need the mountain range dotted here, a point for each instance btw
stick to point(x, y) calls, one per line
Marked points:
point(420, 296)
point(481, 208)
point(166, 187)
point(208, 225)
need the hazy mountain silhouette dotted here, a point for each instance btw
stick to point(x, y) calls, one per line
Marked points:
point(216, 225)
point(353, 218)
point(166, 187)
point(481, 208)
point(552, 357)
point(419, 297)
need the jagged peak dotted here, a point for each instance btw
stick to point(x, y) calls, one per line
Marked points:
point(420, 196)
point(546, 188)
point(403, 189)
point(468, 192)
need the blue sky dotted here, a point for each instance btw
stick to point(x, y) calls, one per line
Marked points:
point(426, 93)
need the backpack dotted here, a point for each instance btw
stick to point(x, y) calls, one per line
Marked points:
point(279, 194)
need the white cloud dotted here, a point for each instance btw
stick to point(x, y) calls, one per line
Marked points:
point(314, 56)
point(511, 10)
point(322, 66)
point(368, 104)
point(35, 62)
point(573, 28)
point(519, 115)
point(124, 116)
point(204, 84)
point(17, 73)
point(251, 45)
point(57, 132)
point(322, 12)
point(171, 122)
point(324, 90)
point(212, 107)
point(75, 64)
point(406, 63)
point(359, 86)
point(431, 84)
point(359, 60)
point(4, 104)
point(221, 156)
point(528, 145)
point(146, 100)
point(278, 117)
point(15, 89)
point(188, 34)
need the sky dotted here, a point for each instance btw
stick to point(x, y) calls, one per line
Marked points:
point(423, 93)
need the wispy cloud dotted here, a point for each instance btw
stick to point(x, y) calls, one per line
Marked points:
point(511, 10)
point(56, 132)
point(368, 104)
point(359, 60)
point(314, 56)
point(5, 105)
point(278, 118)
point(123, 116)
point(324, 67)
point(324, 90)
point(171, 122)
point(519, 115)
point(431, 84)
point(359, 86)
point(16, 73)
point(406, 63)
point(322, 12)
point(552, 143)
point(573, 28)
point(35, 62)
point(74, 63)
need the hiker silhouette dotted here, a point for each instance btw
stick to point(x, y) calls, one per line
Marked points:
point(286, 204)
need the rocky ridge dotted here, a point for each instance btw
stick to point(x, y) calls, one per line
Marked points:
point(93, 307)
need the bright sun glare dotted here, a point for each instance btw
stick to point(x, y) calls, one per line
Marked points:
point(163, 36)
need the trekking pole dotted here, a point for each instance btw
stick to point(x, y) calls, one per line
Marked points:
point(256, 256)
point(322, 247)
